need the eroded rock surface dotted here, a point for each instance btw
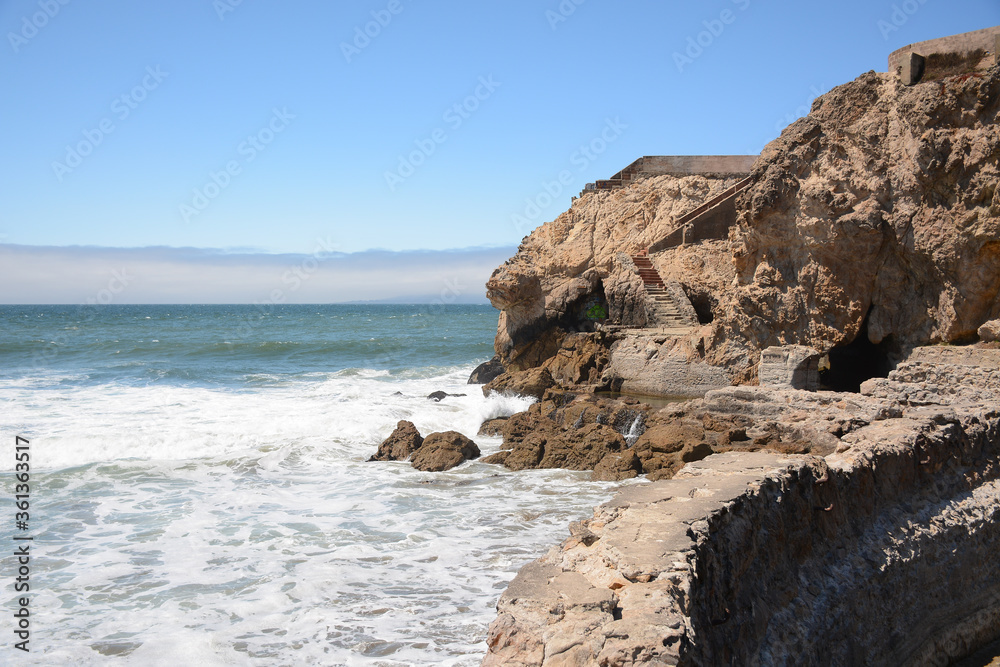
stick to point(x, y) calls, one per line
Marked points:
point(879, 550)
point(444, 451)
point(400, 444)
point(620, 438)
point(875, 217)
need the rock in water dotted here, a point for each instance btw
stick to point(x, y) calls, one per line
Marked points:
point(486, 371)
point(532, 382)
point(400, 444)
point(439, 396)
point(493, 427)
point(444, 451)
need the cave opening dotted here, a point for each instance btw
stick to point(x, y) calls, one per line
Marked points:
point(859, 360)
point(591, 310)
point(704, 303)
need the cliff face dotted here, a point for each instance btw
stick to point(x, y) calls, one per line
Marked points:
point(882, 203)
point(875, 217)
point(583, 255)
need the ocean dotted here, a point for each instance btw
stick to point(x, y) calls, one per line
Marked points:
point(200, 492)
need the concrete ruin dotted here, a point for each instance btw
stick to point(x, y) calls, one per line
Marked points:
point(922, 61)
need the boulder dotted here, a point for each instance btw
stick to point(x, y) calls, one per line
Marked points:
point(990, 331)
point(580, 360)
point(438, 396)
point(493, 427)
point(400, 444)
point(486, 371)
point(616, 466)
point(444, 451)
point(532, 382)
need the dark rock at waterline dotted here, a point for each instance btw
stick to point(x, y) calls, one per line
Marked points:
point(486, 372)
point(616, 466)
point(444, 451)
point(532, 382)
point(438, 396)
point(400, 444)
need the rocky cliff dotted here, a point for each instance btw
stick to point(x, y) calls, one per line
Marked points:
point(813, 528)
point(877, 215)
point(881, 552)
point(875, 221)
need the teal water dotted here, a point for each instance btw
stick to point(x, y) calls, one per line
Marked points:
point(233, 345)
point(201, 493)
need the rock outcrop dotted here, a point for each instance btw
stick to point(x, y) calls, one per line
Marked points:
point(876, 216)
point(532, 382)
point(444, 451)
point(853, 526)
point(581, 259)
point(873, 221)
point(435, 453)
point(400, 444)
point(486, 371)
point(881, 551)
point(621, 438)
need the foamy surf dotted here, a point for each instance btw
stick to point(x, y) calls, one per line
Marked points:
point(218, 526)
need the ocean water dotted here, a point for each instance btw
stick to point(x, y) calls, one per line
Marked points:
point(200, 493)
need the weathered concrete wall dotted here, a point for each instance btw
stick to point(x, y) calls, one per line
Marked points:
point(661, 366)
point(789, 367)
point(687, 165)
point(985, 39)
point(712, 224)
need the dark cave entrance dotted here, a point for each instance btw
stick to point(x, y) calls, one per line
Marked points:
point(859, 360)
point(590, 310)
point(704, 303)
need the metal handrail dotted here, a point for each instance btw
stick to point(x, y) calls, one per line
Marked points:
point(711, 203)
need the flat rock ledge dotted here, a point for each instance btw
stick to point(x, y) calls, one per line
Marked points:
point(882, 553)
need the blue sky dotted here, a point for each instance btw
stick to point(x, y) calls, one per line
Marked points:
point(259, 127)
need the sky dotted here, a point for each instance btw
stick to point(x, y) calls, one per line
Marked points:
point(166, 137)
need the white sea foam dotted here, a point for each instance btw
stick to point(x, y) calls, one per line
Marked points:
point(182, 525)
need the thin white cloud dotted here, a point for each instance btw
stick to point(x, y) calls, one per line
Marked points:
point(72, 275)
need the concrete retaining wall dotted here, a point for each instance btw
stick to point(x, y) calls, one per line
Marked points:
point(688, 165)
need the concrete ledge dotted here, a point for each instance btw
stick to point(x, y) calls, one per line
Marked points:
point(689, 165)
point(985, 39)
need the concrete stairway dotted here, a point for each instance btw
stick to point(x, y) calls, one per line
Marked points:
point(621, 179)
point(661, 309)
